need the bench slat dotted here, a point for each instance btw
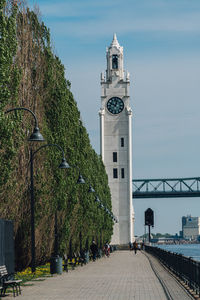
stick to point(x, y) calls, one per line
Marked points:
point(6, 282)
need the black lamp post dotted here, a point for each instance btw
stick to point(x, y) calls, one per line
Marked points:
point(63, 165)
point(107, 211)
point(36, 136)
point(81, 180)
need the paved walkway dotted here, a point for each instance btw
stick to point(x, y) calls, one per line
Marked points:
point(122, 276)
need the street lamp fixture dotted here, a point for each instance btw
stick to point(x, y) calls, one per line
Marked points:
point(36, 136)
point(97, 199)
point(91, 190)
point(80, 179)
point(64, 164)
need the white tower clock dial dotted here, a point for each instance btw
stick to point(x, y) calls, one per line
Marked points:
point(116, 142)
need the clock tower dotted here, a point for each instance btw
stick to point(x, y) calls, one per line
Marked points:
point(116, 142)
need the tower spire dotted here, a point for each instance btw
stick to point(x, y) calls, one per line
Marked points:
point(115, 41)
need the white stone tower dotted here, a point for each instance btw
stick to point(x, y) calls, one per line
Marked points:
point(116, 141)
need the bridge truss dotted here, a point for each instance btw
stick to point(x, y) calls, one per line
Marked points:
point(166, 188)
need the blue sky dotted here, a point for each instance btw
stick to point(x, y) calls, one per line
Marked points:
point(161, 40)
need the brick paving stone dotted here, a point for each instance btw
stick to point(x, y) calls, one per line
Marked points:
point(122, 276)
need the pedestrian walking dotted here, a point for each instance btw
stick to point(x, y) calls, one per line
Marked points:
point(135, 247)
point(94, 250)
point(107, 249)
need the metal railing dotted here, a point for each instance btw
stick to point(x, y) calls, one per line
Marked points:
point(187, 269)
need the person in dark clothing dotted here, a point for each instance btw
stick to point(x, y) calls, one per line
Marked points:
point(135, 247)
point(94, 250)
point(107, 249)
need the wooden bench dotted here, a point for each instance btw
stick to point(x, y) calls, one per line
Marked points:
point(69, 262)
point(81, 258)
point(7, 280)
point(77, 259)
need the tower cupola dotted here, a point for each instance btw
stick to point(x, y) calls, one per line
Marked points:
point(115, 61)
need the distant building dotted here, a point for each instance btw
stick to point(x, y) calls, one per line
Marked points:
point(190, 227)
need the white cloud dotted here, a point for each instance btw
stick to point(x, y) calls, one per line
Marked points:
point(76, 8)
point(98, 18)
point(88, 28)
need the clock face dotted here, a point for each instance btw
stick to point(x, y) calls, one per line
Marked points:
point(115, 105)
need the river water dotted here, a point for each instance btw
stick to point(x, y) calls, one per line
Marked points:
point(190, 250)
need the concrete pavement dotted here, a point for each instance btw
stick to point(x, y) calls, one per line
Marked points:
point(122, 276)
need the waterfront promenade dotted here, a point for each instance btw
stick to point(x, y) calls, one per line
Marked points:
point(122, 276)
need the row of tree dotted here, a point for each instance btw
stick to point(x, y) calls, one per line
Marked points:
point(32, 76)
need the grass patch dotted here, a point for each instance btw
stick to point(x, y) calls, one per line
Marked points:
point(40, 274)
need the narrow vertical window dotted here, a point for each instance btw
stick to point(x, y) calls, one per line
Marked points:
point(122, 172)
point(115, 61)
point(114, 156)
point(122, 142)
point(115, 173)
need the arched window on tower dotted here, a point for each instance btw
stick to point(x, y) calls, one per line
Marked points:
point(115, 61)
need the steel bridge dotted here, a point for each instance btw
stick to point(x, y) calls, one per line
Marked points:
point(166, 188)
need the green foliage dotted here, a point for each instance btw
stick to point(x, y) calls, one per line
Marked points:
point(9, 80)
point(33, 77)
point(64, 127)
point(8, 45)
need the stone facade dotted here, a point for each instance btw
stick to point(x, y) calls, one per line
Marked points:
point(116, 141)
